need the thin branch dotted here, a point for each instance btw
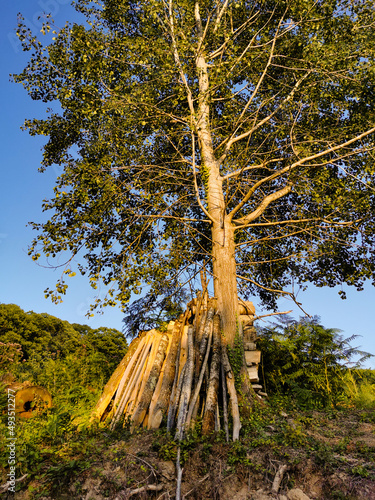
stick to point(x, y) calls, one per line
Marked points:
point(300, 162)
point(178, 61)
point(233, 139)
point(250, 167)
point(220, 15)
point(281, 292)
point(272, 314)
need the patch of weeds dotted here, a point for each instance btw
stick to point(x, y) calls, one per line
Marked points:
point(324, 458)
point(360, 470)
point(365, 451)
point(306, 420)
point(338, 495)
point(237, 454)
point(166, 451)
point(342, 446)
point(368, 417)
point(293, 435)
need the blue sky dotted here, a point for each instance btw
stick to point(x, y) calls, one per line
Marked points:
point(23, 188)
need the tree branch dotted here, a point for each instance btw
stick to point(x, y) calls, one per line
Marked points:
point(262, 206)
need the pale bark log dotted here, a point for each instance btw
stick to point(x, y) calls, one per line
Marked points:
point(129, 370)
point(217, 418)
point(183, 349)
point(225, 403)
point(232, 395)
point(160, 399)
point(148, 366)
point(198, 310)
point(130, 385)
point(172, 397)
point(179, 471)
point(194, 399)
point(186, 386)
point(146, 396)
point(113, 382)
point(208, 424)
point(207, 331)
point(175, 399)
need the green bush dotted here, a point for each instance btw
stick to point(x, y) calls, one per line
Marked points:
point(307, 362)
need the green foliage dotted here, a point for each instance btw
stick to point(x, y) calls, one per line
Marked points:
point(73, 362)
point(10, 355)
point(308, 362)
point(57, 354)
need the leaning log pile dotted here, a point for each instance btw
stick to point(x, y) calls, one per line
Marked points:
point(179, 376)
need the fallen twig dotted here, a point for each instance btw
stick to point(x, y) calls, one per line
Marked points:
point(125, 494)
point(278, 478)
point(4, 487)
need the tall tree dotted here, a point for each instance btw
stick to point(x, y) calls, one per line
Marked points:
point(231, 135)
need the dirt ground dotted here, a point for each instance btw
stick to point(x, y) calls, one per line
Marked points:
point(316, 456)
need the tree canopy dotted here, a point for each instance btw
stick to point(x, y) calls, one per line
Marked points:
point(230, 136)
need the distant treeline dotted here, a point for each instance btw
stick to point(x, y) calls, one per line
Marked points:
point(46, 340)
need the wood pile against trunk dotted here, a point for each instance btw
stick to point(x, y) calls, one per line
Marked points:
point(180, 376)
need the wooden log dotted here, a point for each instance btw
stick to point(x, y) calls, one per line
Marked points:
point(246, 320)
point(253, 373)
point(186, 386)
point(194, 399)
point(132, 397)
point(208, 424)
point(183, 349)
point(174, 401)
point(278, 479)
point(129, 369)
point(158, 389)
point(140, 382)
point(206, 332)
point(246, 307)
point(197, 312)
point(179, 471)
point(232, 395)
point(217, 418)
point(252, 357)
point(225, 403)
point(112, 384)
point(160, 399)
point(146, 396)
point(130, 385)
point(172, 398)
point(148, 366)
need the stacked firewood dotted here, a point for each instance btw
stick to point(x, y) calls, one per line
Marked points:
point(177, 377)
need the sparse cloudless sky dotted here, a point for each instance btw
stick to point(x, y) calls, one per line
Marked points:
point(22, 281)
